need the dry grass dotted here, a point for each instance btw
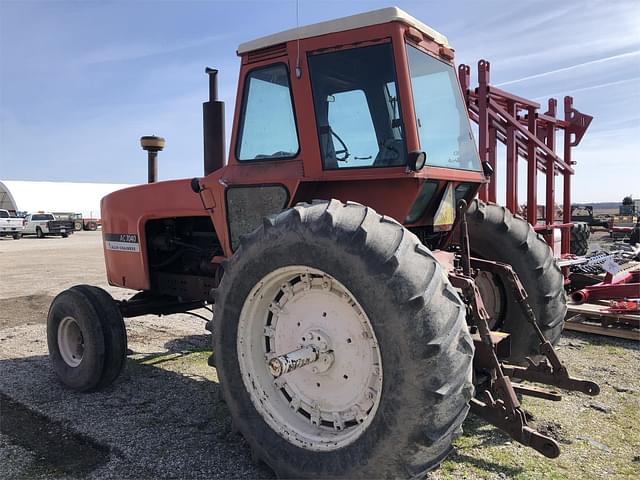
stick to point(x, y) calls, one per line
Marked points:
point(594, 444)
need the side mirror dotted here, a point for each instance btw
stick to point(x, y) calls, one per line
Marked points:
point(195, 185)
point(487, 169)
point(416, 160)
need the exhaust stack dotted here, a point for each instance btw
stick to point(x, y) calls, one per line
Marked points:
point(152, 145)
point(213, 126)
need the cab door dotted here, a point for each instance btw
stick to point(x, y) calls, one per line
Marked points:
point(264, 166)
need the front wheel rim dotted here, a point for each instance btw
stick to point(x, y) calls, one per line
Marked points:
point(70, 341)
point(329, 403)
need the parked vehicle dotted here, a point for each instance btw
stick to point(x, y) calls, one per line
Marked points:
point(584, 213)
point(628, 206)
point(349, 336)
point(43, 224)
point(76, 218)
point(622, 226)
point(10, 226)
point(79, 223)
point(90, 224)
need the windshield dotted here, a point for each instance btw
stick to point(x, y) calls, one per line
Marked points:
point(357, 108)
point(441, 116)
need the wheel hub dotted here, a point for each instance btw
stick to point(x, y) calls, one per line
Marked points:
point(309, 358)
point(492, 293)
point(70, 341)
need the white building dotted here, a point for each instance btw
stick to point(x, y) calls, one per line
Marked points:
point(73, 197)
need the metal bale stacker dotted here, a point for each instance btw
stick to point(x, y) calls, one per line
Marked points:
point(526, 133)
point(605, 304)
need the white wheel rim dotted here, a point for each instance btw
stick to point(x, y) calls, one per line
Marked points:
point(70, 341)
point(327, 404)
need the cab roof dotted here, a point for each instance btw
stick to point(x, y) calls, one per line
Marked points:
point(375, 17)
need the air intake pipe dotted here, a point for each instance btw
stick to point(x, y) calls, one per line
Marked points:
point(152, 145)
point(213, 126)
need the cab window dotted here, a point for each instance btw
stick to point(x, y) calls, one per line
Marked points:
point(349, 114)
point(441, 115)
point(357, 109)
point(267, 123)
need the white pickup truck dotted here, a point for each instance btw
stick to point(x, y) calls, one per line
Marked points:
point(10, 226)
point(43, 224)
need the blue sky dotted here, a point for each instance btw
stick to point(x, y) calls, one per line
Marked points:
point(80, 82)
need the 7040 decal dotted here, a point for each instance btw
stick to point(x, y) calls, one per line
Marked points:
point(121, 242)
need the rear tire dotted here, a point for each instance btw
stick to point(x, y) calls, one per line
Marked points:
point(39, 232)
point(498, 235)
point(86, 337)
point(580, 234)
point(417, 322)
point(65, 235)
point(17, 236)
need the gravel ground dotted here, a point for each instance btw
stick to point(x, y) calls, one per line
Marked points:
point(163, 418)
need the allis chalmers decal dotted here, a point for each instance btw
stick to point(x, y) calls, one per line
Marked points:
point(122, 242)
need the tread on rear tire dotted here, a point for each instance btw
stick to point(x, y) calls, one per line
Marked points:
point(496, 234)
point(418, 320)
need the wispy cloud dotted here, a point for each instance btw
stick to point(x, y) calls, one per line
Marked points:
point(590, 87)
point(122, 52)
point(570, 67)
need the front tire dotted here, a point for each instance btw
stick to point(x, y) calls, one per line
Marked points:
point(368, 287)
point(498, 235)
point(86, 337)
point(39, 232)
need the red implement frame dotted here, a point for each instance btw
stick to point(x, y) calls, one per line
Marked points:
point(621, 286)
point(528, 134)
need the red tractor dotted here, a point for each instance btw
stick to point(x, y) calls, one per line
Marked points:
point(364, 300)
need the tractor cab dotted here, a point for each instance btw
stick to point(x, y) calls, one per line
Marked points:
point(367, 108)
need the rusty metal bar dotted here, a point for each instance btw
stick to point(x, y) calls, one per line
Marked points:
point(495, 91)
point(550, 211)
point(492, 153)
point(464, 75)
point(512, 162)
point(542, 228)
point(565, 243)
point(532, 170)
point(483, 116)
point(525, 132)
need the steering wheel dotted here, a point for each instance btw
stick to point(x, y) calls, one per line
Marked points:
point(344, 151)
